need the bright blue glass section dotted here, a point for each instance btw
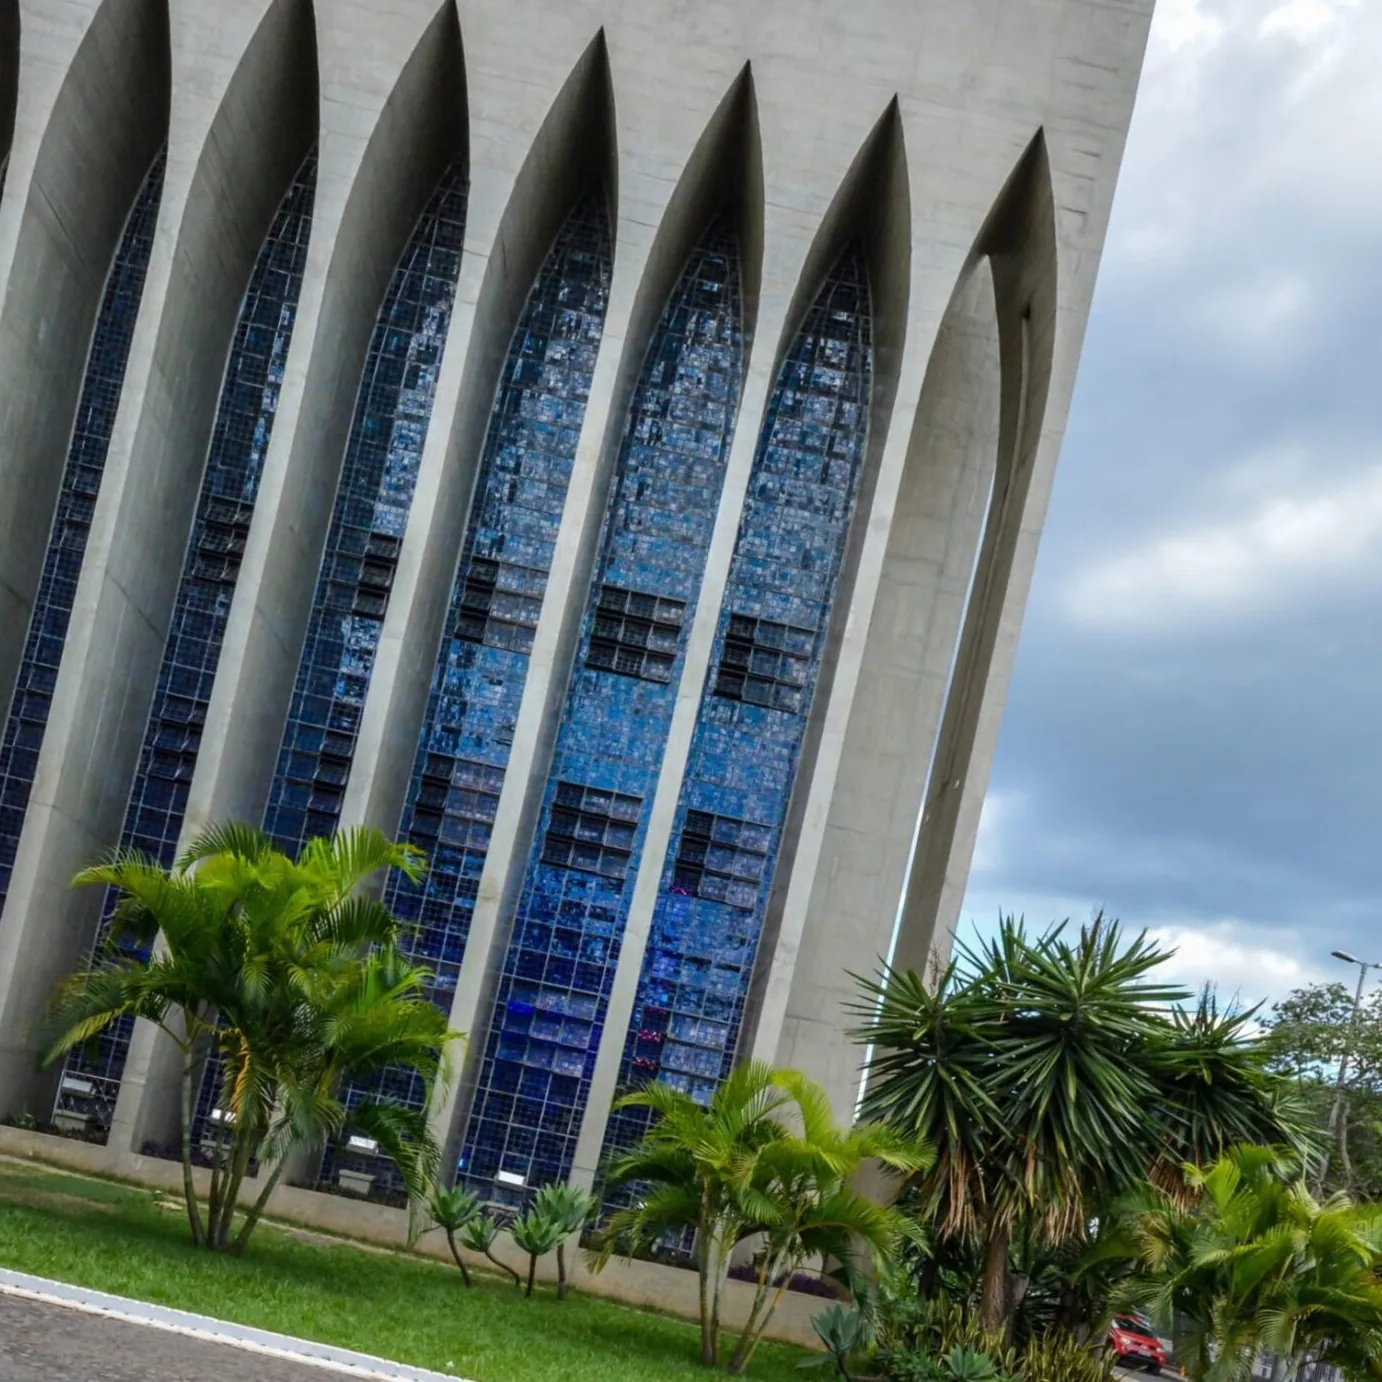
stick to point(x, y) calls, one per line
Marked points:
point(392, 411)
point(481, 668)
point(545, 1026)
point(81, 482)
point(763, 671)
point(239, 441)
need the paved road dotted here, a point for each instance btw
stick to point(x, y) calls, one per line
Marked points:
point(49, 1343)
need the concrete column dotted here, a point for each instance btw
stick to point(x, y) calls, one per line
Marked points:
point(531, 160)
point(387, 130)
point(223, 185)
point(9, 79)
point(95, 84)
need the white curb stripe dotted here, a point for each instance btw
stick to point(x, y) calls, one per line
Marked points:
point(247, 1338)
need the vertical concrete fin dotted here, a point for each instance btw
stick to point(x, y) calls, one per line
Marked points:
point(107, 125)
point(871, 210)
point(573, 155)
point(1019, 242)
point(9, 80)
point(422, 131)
point(262, 131)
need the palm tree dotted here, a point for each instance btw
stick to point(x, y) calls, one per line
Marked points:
point(694, 1170)
point(1250, 1259)
point(291, 976)
point(810, 1208)
point(1050, 1075)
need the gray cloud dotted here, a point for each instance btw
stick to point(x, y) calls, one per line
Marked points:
point(1192, 738)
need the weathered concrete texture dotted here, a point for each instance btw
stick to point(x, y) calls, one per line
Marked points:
point(972, 146)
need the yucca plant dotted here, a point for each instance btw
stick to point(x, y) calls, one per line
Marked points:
point(453, 1210)
point(537, 1235)
point(1051, 1075)
point(569, 1209)
point(479, 1235)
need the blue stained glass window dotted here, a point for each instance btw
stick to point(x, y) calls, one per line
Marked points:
point(763, 671)
point(239, 441)
point(392, 411)
point(545, 1026)
point(481, 668)
point(81, 482)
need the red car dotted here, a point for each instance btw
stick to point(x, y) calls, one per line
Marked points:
point(1133, 1344)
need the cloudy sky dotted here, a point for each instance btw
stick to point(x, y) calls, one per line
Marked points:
point(1193, 735)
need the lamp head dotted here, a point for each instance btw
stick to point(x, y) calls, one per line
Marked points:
point(1346, 957)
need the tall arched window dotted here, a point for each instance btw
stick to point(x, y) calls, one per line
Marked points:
point(544, 1029)
point(482, 666)
point(225, 505)
point(763, 671)
point(388, 430)
point(106, 361)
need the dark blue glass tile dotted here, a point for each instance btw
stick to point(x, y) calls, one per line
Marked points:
point(392, 411)
point(225, 505)
point(764, 667)
point(560, 963)
point(482, 665)
point(81, 480)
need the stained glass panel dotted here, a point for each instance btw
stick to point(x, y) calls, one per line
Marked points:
point(764, 668)
point(545, 1026)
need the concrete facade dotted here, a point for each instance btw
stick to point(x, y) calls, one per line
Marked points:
point(968, 151)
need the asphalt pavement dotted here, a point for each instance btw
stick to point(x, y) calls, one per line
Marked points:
point(52, 1343)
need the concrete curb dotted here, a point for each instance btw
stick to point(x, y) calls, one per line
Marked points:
point(263, 1341)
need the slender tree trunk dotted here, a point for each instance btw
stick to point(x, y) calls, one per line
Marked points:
point(705, 1267)
point(532, 1273)
point(504, 1267)
point(460, 1261)
point(213, 1199)
point(765, 1302)
point(993, 1303)
point(189, 1184)
point(259, 1205)
point(241, 1154)
point(561, 1271)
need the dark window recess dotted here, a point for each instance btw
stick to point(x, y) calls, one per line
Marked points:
point(721, 859)
point(591, 830)
point(764, 663)
point(635, 635)
point(220, 541)
point(500, 603)
point(457, 799)
point(376, 576)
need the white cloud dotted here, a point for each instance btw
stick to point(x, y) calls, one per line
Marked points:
point(1231, 956)
point(1284, 550)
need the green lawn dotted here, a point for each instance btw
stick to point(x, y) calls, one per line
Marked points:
point(131, 1242)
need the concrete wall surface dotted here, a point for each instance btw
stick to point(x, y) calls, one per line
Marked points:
point(969, 148)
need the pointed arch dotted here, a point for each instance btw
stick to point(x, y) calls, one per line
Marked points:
point(419, 142)
point(267, 118)
point(1018, 242)
point(571, 163)
point(378, 474)
point(752, 748)
point(108, 123)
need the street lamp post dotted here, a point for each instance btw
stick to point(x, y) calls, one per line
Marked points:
point(1337, 1126)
